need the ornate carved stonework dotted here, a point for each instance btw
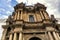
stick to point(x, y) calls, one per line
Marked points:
point(31, 23)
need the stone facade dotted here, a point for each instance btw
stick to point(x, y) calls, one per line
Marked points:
point(31, 23)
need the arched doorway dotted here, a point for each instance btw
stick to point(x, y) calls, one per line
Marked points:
point(34, 38)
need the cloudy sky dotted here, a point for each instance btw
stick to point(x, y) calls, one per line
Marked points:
point(6, 7)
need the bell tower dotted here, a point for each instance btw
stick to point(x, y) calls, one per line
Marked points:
point(30, 23)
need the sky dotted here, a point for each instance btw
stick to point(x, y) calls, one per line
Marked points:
point(7, 7)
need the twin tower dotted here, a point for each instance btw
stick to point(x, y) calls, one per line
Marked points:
point(31, 23)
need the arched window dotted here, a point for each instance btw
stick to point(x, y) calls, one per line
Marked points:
point(31, 18)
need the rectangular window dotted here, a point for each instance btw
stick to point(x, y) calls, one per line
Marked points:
point(31, 18)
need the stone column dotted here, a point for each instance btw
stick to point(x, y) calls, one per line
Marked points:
point(46, 15)
point(18, 15)
point(4, 34)
point(15, 36)
point(38, 16)
point(15, 16)
point(55, 36)
point(21, 14)
point(20, 36)
point(58, 36)
point(41, 15)
point(50, 36)
point(10, 38)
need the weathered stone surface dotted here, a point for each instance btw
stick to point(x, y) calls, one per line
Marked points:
point(40, 26)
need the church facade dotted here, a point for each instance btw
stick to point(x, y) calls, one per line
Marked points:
point(31, 23)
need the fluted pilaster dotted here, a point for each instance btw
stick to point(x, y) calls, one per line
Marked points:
point(38, 16)
point(18, 13)
point(15, 16)
point(41, 15)
point(46, 15)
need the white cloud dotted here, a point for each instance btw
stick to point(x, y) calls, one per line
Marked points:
point(52, 7)
point(3, 16)
point(1, 9)
point(8, 12)
point(6, 8)
point(8, 1)
point(10, 7)
point(19, 1)
point(29, 2)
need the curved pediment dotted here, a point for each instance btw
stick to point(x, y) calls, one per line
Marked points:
point(22, 6)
